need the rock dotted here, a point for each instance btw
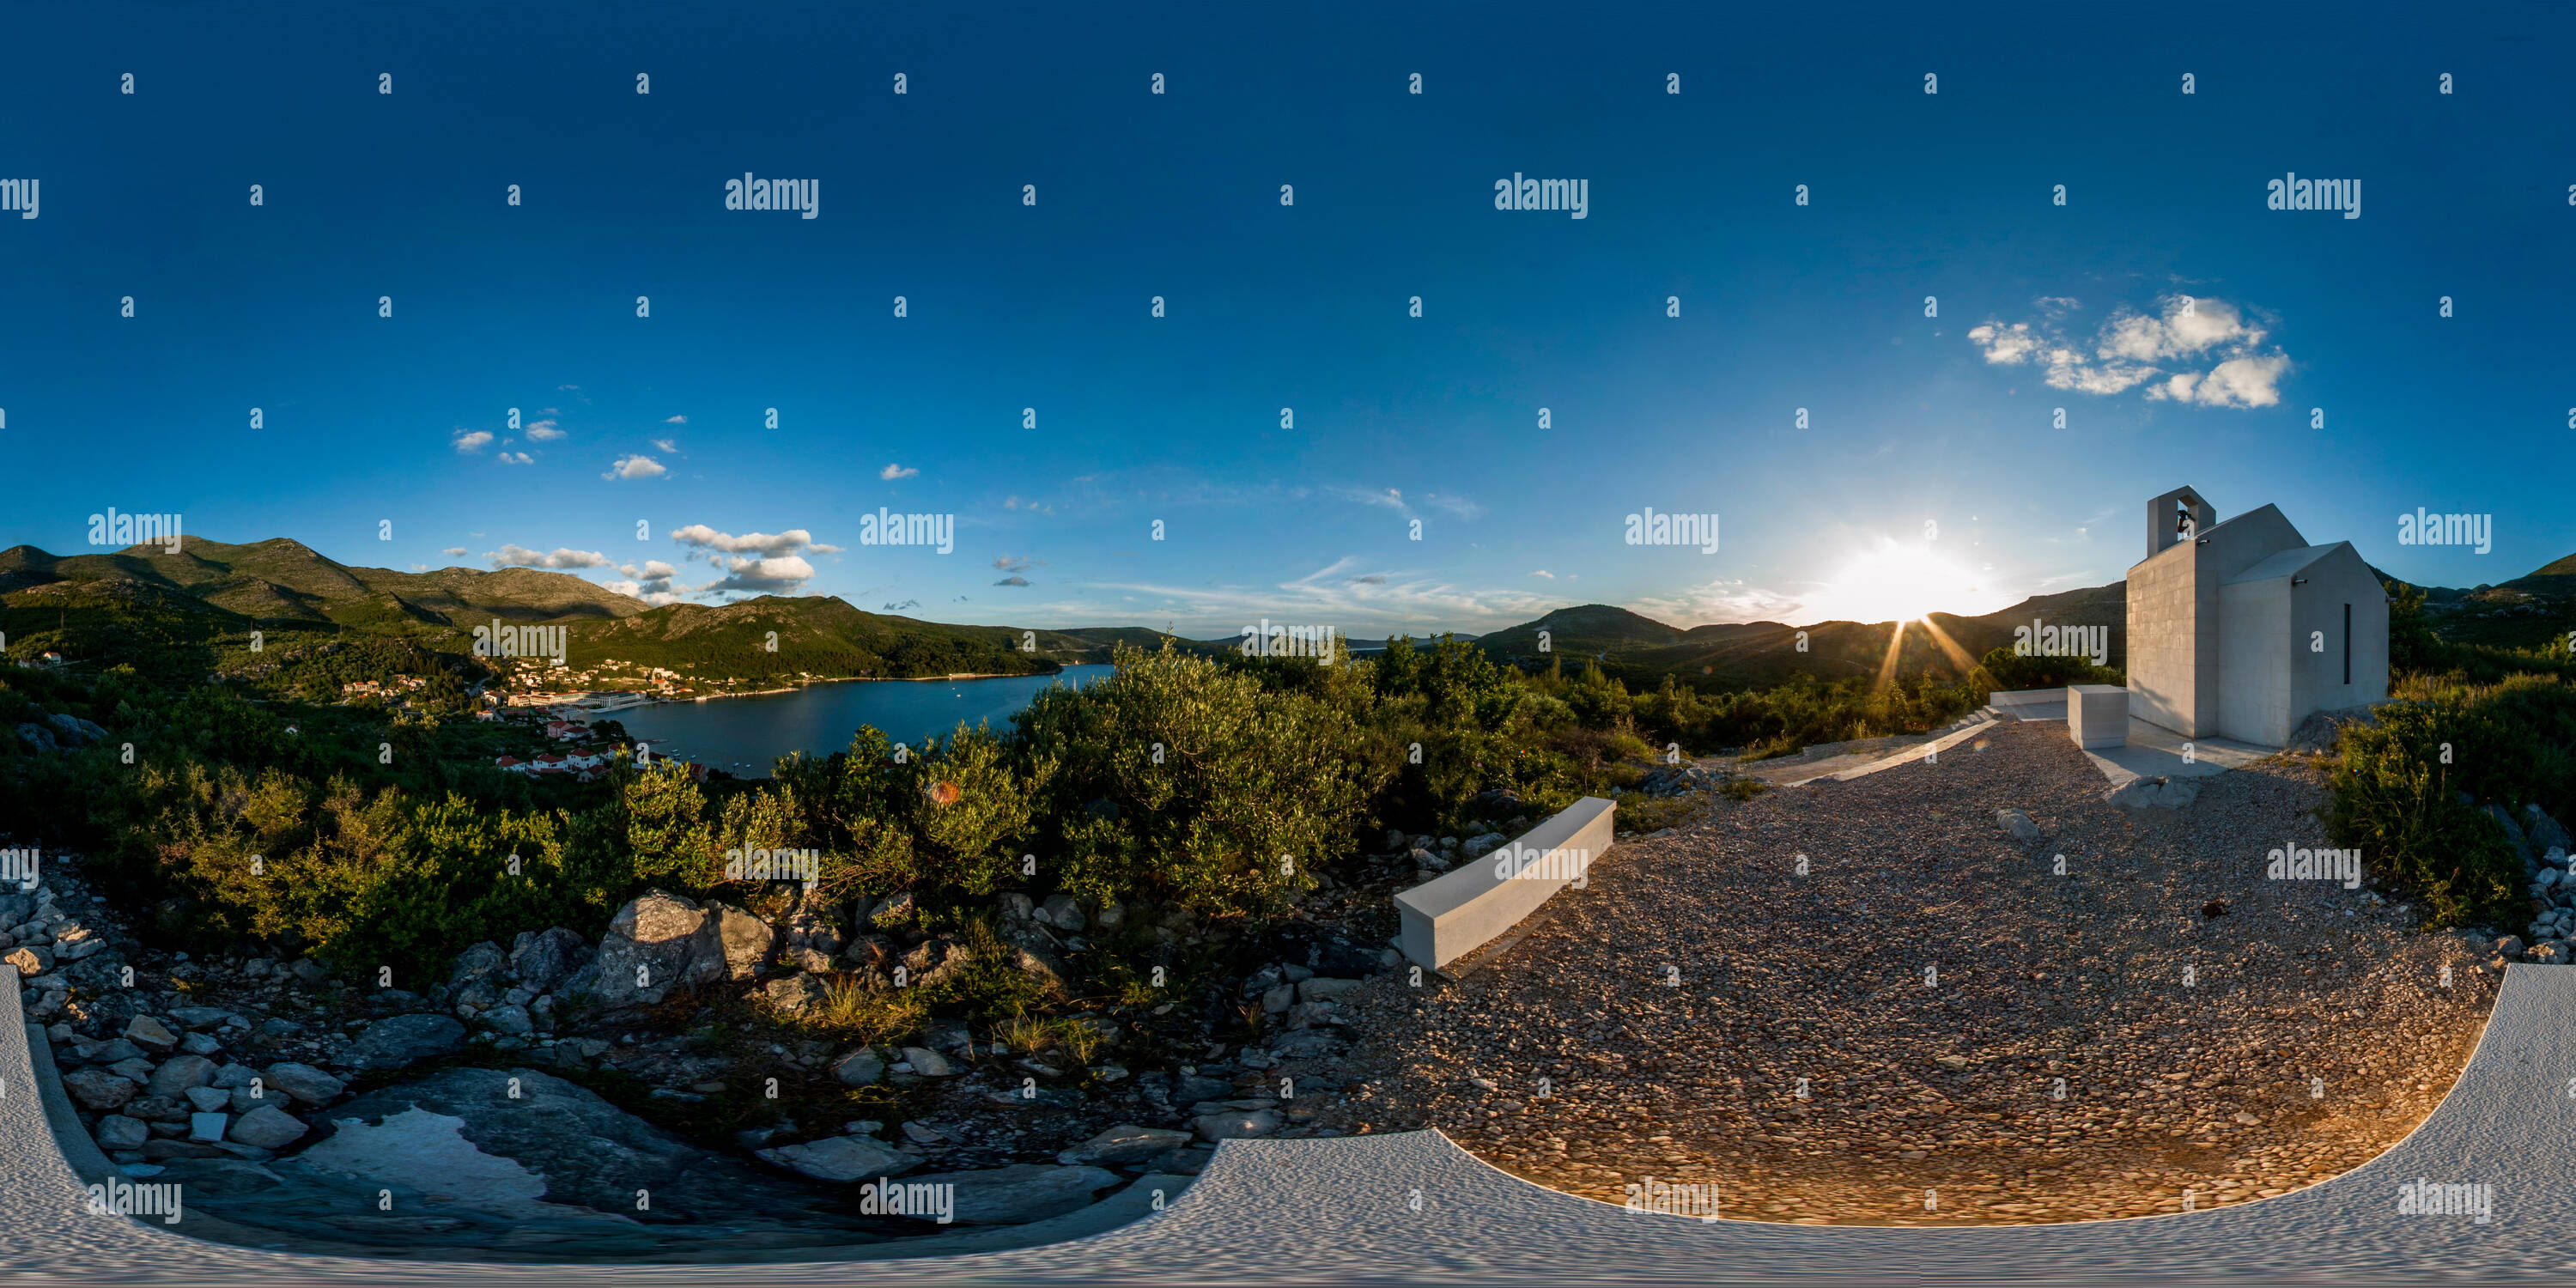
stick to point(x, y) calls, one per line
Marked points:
point(267, 1127)
point(841, 1159)
point(136, 1070)
point(30, 962)
point(508, 1019)
point(1020, 1193)
point(310, 973)
point(2509, 947)
point(1478, 847)
point(115, 1049)
point(541, 961)
point(151, 1034)
point(1063, 912)
point(207, 1100)
point(873, 953)
point(742, 940)
point(76, 732)
point(656, 943)
point(928, 1063)
point(795, 993)
point(405, 1039)
point(934, 960)
point(1306, 1044)
point(158, 1109)
point(1275, 1001)
point(2556, 952)
point(200, 1044)
point(163, 1150)
point(859, 1068)
point(180, 1072)
point(1235, 1124)
point(1125, 1143)
point(37, 736)
point(1321, 989)
point(306, 1084)
point(896, 909)
point(2513, 834)
point(208, 1127)
point(1189, 1089)
point(476, 962)
point(2017, 823)
point(233, 1076)
point(116, 1131)
point(99, 1089)
point(2544, 831)
point(2155, 793)
point(811, 960)
point(1427, 859)
point(1185, 1162)
point(1109, 916)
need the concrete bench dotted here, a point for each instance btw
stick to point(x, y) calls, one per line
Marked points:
point(1457, 912)
point(2097, 715)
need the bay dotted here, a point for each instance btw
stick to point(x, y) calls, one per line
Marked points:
point(745, 736)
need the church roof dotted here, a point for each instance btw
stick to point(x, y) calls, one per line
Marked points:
point(2285, 563)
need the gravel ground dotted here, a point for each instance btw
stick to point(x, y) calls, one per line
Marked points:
point(1929, 981)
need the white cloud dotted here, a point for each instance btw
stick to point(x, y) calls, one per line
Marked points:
point(667, 445)
point(1544, 573)
point(472, 441)
point(675, 420)
point(788, 542)
point(749, 576)
point(2133, 348)
point(510, 556)
point(651, 583)
point(893, 471)
point(544, 431)
point(454, 552)
point(635, 467)
point(513, 458)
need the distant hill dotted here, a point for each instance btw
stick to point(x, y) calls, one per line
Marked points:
point(283, 579)
point(194, 612)
point(1641, 650)
point(2534, 609)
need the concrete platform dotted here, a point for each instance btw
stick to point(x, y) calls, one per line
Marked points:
point(1413, 1208)
point(2152, 752)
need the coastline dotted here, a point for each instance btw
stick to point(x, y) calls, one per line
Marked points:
point(886, 679)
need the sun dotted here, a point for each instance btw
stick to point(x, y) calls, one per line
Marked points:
point(1898, 583)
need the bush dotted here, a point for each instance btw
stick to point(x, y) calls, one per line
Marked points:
point(2011, 672)
point(2399, 788)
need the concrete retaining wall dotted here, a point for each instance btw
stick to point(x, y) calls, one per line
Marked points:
point(1458, 912)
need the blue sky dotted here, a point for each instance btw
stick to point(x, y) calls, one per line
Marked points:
point(1911, 419)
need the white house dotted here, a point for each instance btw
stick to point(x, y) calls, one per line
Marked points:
point(2241, 629)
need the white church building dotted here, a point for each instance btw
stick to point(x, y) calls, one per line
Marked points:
point(2241, 629)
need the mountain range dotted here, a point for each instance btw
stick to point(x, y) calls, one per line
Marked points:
point(281, 585)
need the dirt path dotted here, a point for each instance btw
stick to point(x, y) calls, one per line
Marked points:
point(1936, 987)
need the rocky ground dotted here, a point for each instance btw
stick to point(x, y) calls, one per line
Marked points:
point(1930, 1023)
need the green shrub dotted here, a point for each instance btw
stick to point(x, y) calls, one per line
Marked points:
point(2011, 672)
point(2398, 792)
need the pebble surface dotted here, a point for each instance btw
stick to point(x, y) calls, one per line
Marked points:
point(1934, 1024)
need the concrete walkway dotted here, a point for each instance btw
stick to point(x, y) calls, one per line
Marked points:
point(2153, 751)
point(1413, 1208)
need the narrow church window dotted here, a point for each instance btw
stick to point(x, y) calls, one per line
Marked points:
point(2347, 643)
